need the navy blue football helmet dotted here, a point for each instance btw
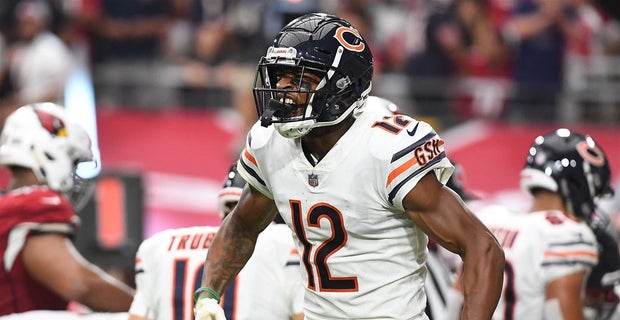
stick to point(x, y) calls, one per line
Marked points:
point(571, 164)
point(456, 182)
point(327, 47)
point(231, 191)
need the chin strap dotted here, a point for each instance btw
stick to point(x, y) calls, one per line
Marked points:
point(275, 107)
point(266, 117)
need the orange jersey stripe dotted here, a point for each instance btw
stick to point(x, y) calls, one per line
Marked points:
point(410, 163)
point(571, 253)
point(231, 193)
point(250, 157)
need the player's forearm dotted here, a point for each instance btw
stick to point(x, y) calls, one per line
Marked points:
point(107, 294)
point(482, 280)
point(230, 250)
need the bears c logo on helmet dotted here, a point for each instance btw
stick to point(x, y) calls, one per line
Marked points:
point(593, 155)
point(350, 46)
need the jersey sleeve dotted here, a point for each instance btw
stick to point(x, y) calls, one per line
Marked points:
point(49, 212)
point(571, 247)
point(419, 150)
point(145, 302)
point(36, 212)
point(247, 165)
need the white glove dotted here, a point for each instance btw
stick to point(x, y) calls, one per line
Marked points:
point(208, 309)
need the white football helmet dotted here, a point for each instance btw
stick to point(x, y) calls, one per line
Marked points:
point(39, 136)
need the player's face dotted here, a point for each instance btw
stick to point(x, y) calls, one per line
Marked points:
point(300, 85)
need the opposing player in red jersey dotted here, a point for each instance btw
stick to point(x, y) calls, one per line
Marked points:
point(41, 268)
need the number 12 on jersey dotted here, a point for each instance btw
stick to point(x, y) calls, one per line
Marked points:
point(334, 242)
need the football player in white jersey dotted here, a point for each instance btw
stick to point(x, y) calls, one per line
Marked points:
point(550, 250)
point(169, 269)
point(360, 190)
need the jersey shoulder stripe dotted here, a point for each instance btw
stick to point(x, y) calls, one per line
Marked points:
point(570, 243)
point(250, 165)
point(411, 147)
point(409, 163)
point(258, 139)
point(575, 251)
point(418, 152)
point(396, 188)
point(564, 245)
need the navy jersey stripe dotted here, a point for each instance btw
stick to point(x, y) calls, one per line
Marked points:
point(410, 148)
point(252, 172)
point(568, 263)
point(571, 243)
point(402, 183)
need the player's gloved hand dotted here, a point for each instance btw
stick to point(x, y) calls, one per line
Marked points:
point(208, 309)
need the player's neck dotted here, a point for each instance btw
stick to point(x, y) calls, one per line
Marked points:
point(22, 177)
point(547, 200)
point(320, 140)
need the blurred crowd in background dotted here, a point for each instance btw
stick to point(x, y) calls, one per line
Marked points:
point(540, 62)
point(444, 61)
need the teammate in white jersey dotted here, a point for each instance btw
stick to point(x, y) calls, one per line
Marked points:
point(360, 190)
point(550, 250)
point(169, 269)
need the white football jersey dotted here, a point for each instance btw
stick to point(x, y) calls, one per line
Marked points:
point(539, 247)
point(362, 256)
point(169, 269)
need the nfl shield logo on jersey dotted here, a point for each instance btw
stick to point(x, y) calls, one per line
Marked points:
point(313, 180)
